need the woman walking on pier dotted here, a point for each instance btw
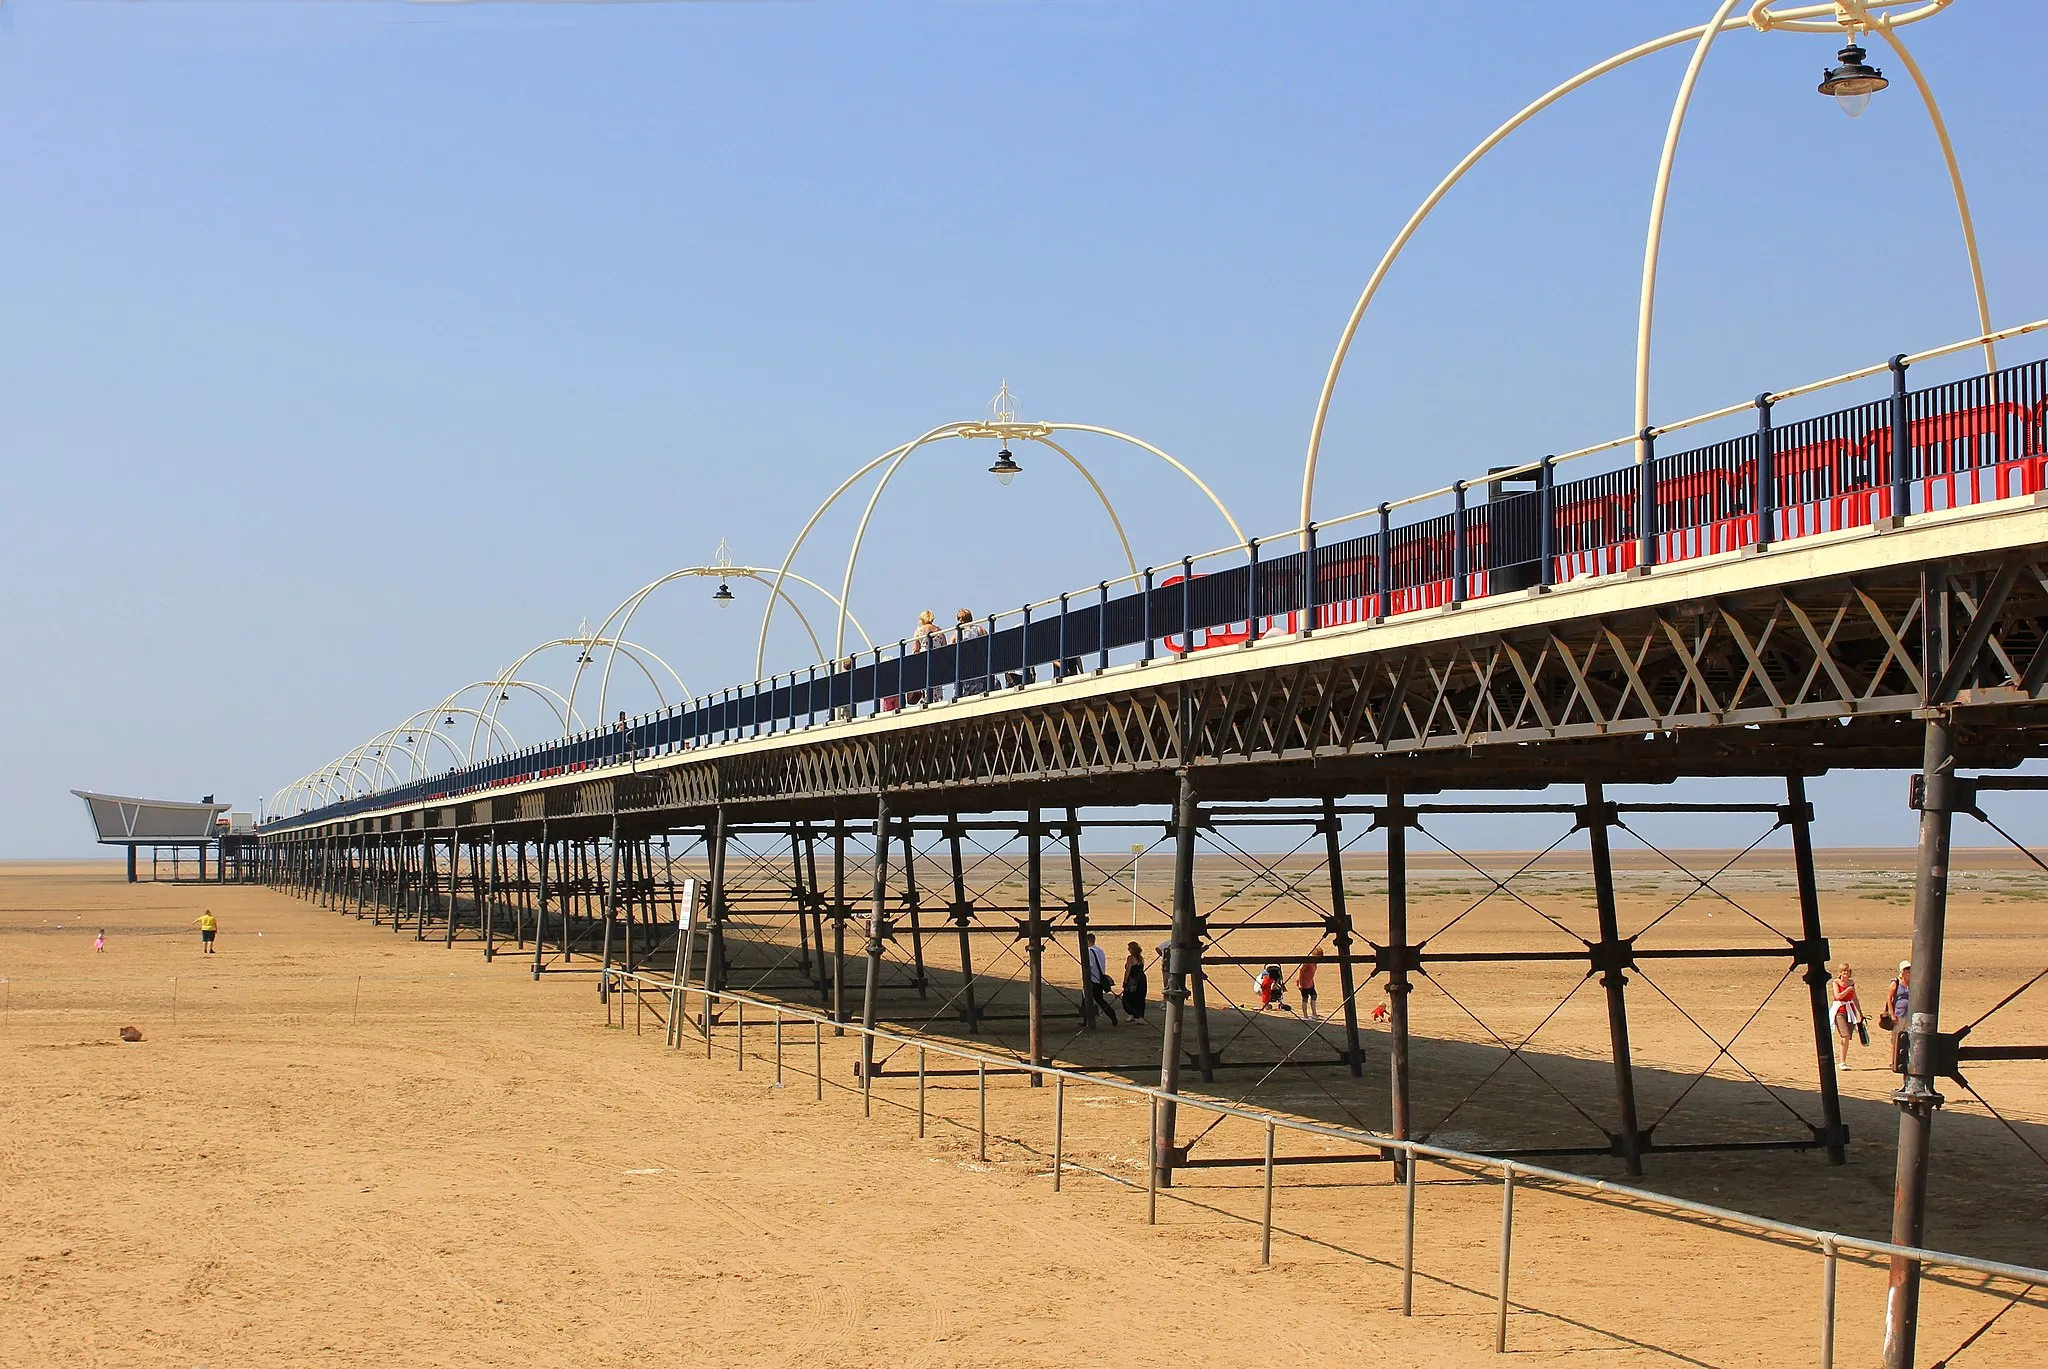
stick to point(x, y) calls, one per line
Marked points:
point(1135, 987)
point(1846, 1011)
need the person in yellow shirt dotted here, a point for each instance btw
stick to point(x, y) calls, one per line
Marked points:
point(207, 924)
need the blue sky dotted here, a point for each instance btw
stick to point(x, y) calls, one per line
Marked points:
point(348, 349)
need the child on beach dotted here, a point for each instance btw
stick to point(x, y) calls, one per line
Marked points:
point(99, 943)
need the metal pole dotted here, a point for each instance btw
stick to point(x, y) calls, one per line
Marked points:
point(1152, 1170)
point(1615, 954)
point(838, 925)
point(963, 917)
point(1646, 499)
point(818, 1057)
point(1398, 987)
point(920, 1099)
point(714, 940)
point(1827, 1305)
point(1408, 1238)
point(1765, 501)
point(1035, 942)
point(778, 1048)
point(1059, 1125)
point(1340, 927)
point(1174, 990)
point(1266, 1218)
point(878, 927)
point(1814, 949)
point(1507, 1244)
point(1902, 441)
point(981, 1110)
point(540, 917)
point(1917, 1098)
point(739, 1039)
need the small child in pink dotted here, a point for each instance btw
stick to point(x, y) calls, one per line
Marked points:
point(99, 943)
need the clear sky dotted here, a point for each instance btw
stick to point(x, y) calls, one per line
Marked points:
point(349, 349)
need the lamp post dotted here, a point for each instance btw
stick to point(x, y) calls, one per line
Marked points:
point(1840, 18)
point(1002, 423)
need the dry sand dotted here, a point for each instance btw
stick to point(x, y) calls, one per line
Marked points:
point(337, 1145)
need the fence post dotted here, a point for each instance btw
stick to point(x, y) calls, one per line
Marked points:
point(1827, 1304)
point(1266, 1219)
point(739, 1027)
point(1902, 441)
point(1386, 566)
point(818, 1056)
point(920, 1093)
point(1766, 500)
point(1059, 1128)
point(1102, 629)
point(778, 1048)
point(1152, 1168)
point(1646, 498)
point(1251, 591)
point(1459, 560)
point(981, 1110)
point(1408, 1241)
point(1507, 1242)
point(1148, 613)
point(1315, 594)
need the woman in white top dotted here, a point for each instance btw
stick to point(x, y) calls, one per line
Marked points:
point(1845, 1010)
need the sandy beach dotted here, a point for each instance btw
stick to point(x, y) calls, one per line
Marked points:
point(339, 1145)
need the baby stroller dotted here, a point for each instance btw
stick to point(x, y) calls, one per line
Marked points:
point(1272, 988)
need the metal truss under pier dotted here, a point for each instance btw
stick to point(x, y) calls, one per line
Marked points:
point(1918, 645)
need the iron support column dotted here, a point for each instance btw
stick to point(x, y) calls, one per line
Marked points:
point(714, 941)
point(1917, 1098)
point(1814, 947)
point(1034, 931)
point(540, 914)
point(1398, 987)
point(878, 929)
point(1180, 955)
point(1614, 954)
point(1340, 928)
point(963, 921)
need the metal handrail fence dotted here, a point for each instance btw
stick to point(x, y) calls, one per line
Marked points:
point(1829, 1245)
point(1517, 527)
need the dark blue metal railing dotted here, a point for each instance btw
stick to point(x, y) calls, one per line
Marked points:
point(1968, 442)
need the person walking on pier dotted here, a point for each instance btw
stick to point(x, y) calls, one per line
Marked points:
point(965, 630)
point(1305, 981)
point(926, 637)
point(1897, 999)
point(1846, 1011)
point(1135, 987)
point(208, 926)
point(1095, 969)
